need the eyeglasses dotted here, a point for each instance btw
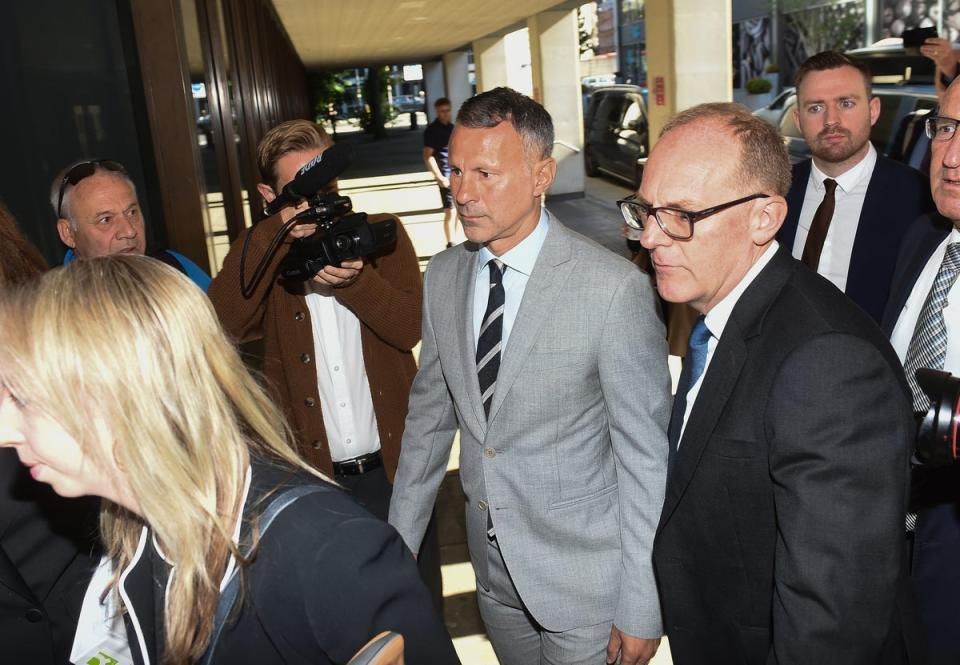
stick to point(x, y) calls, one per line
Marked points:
point(940, 128)
point(675, 222)
point(85, 170)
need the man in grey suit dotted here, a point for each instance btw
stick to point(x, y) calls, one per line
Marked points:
point(546, 351)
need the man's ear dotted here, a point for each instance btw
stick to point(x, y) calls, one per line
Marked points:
point(545, 172)
point(266, 191)
point(875, 110)
point(768, 219)
point(66, 233)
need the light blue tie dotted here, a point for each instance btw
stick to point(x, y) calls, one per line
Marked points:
point(693, 365)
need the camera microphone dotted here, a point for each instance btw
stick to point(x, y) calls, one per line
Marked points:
point(311, 178)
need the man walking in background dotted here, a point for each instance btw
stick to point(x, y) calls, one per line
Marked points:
point(436, 139)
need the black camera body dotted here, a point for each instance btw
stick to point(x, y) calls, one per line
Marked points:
point(341, 235)
point(937, 428)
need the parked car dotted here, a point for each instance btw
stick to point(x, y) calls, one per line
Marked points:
point(616, 133)
point(597, 81)
point(408, 103)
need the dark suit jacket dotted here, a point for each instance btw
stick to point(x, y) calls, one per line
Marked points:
point(782, 530)
point(935, 493)
point(896, 195)
point(48, 553)
point(326, 579)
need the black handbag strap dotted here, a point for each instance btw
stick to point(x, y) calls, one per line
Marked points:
point(229, 595)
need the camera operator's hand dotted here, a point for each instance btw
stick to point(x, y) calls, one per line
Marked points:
point(302, 230)
point(338, 277)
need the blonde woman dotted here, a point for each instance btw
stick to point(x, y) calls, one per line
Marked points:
point(116, 381)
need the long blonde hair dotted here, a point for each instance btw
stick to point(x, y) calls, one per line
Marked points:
point(134, 342)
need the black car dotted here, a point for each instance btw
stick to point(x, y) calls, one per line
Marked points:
point(616, 133)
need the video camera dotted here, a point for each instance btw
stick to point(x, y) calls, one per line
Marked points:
point(341, 235)
point(937, 430)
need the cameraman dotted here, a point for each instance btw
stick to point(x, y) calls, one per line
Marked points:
point(338, 347)
point(923, 320)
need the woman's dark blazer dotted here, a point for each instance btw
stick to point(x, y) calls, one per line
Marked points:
point(326, 578)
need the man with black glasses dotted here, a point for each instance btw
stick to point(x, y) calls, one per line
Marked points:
point(98, 214)
point(781, 536)
point(925, 330)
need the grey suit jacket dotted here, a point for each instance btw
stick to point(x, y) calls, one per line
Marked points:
point(571, 465)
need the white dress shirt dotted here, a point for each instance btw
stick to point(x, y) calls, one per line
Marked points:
point(849, 197)
point(345, 400)
point(909, 315)
point(716, 321)
point(518, 263)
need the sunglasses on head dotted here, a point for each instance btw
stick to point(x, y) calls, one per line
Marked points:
point(85, 170)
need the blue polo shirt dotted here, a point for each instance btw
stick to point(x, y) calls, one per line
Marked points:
point(192, 270)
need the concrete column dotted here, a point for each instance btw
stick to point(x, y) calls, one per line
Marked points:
point(688, 56)
point(490, 63)
point(554, 59)
point(434, 86)
point(456, 79)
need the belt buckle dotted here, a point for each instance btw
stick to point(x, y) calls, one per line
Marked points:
point(360, 468)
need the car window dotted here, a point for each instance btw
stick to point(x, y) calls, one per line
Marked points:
point(788, 126)
point(780, 100)
point(886, 124)
point(633, 113)
point(595, 100)
point(611, 109)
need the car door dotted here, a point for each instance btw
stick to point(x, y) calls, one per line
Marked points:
point(631, 138)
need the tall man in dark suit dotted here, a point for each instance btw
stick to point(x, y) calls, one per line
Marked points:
point(848, 206)
point(782, 528)
point(925, 331)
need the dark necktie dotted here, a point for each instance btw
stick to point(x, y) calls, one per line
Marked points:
point(819, 226)
point(693, 365)
point(491, 336)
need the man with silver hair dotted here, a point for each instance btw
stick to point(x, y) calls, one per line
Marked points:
point(98, 214)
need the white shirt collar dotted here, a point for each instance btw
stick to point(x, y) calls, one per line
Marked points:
point(522, 257)
point(850, 178)
point(717, 317)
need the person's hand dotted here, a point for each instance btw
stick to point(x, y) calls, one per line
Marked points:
point(302, 230)
point(941, 52)
point(339, 276)
point(632, 650)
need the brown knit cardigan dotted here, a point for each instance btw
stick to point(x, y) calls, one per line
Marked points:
point(386, 297)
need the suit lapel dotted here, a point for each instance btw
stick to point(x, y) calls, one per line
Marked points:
point(723, 373)
point(10, 577)
point(907, 276)
point(463, 306)
point(798, 188)
point(547, 280)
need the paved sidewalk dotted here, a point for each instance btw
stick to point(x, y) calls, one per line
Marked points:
point(389, 176)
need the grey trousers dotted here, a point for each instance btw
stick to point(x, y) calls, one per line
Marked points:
point(516, 637)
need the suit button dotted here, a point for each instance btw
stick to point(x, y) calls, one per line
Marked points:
point(305, 358)
point(34, 615)
point(482, 505)
point(317, 445)
point(309, 401)
point(298, 316)
point(490, 453)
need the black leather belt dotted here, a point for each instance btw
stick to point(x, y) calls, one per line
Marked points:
point(358, 465)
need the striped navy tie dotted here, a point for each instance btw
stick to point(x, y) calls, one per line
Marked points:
point(490, 338)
